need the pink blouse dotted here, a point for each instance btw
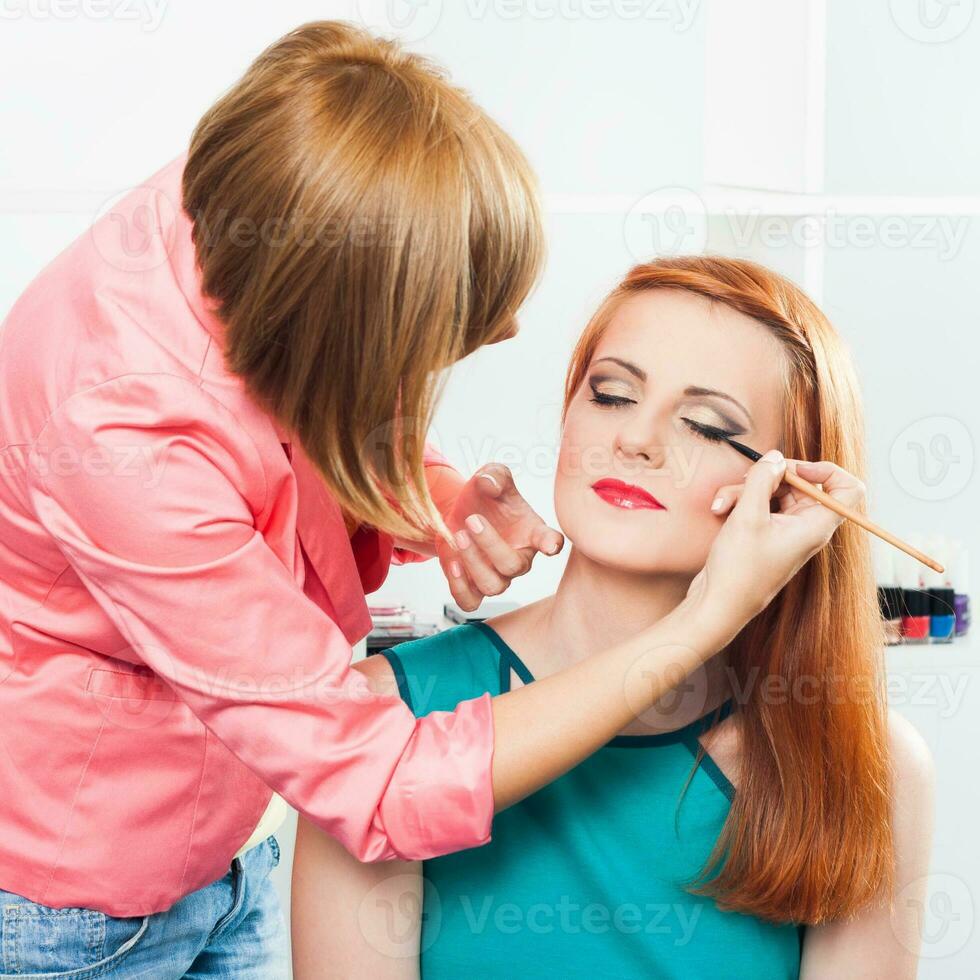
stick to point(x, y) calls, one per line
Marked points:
point(178, 601)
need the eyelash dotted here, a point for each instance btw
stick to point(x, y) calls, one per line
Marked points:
point(612, 401)
point(617, 401)
point(708, 435)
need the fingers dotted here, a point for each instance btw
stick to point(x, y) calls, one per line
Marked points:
point(467, 598)
point(727, 496)
point(547, 540)
point(834, 480)
point(494, 479)
point(487, 561)
point(490, 549)
point(477, 565)
point(839, 483)
point(761, 482)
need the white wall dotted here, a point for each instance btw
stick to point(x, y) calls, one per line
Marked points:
point(832, 104)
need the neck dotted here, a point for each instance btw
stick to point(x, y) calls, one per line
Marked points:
point(596, 607)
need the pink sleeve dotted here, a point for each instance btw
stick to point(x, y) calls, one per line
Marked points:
point(431, 455)
point(167, 545)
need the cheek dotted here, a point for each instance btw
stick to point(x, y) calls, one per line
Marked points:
point(708, 474)
point(586, 452)
point(702, 493)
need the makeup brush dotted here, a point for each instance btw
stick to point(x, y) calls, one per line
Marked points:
point(797, 482)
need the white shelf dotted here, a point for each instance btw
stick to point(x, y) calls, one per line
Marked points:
point(962, 653)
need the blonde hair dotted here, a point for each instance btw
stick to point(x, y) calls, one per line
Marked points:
point(393, 228)
point(808, 837)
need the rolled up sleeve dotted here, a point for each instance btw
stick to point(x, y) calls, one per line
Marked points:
point(155, 493)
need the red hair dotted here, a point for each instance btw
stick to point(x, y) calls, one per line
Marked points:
point(808, 837)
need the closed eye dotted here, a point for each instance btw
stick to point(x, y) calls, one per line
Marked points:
point(710, 432)
point(610, 401)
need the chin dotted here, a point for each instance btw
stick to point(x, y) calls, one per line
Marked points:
point(644, 542)
point(615, 547)
point(633, 562)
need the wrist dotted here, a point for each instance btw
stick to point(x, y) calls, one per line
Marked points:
point(707, 622)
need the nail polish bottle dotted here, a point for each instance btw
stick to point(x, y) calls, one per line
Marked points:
point(958, 579)
point(890, 603)
point(942, 621)
point(915, 616)
point(915, 603)
point(889, 594)
point(942, 616)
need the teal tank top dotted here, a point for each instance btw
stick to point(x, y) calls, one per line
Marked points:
point(585, 877)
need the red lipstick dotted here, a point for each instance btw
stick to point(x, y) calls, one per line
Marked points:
point(626, 495)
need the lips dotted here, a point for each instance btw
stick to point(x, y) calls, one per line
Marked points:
point(626, 495)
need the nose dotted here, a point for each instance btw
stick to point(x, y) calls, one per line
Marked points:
point(643, 442)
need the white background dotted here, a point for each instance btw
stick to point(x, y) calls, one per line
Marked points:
point(749, 117)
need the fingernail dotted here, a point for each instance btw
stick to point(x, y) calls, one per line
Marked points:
point(717, 502)
point(455, 569)
point(474, 523)
point(462, 539)
point(773, 456)
point(487, 476)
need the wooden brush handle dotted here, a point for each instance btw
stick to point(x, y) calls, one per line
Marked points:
point(804, 486)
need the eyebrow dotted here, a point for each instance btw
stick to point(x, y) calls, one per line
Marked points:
point(689, 390)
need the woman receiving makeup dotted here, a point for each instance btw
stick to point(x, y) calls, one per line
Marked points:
point(768, 817)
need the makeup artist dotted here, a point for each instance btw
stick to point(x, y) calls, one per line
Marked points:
point(213, 409)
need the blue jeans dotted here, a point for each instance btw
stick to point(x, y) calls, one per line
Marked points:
point(232, 928)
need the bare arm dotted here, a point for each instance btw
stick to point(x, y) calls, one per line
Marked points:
point(883, 942)
point(350, 919)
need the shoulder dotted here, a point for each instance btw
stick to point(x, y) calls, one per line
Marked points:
point(436, 673)
point(912, 804)
point(377, 670)
point(140, 399)
point(912, 760)
point(147, 464)
point(143, 410)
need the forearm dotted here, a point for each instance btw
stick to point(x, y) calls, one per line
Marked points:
point(578, 709)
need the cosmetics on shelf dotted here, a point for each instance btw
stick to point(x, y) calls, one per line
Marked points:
point(393, 624)
point(919, 605)
point(959, 578)
point(890, 603)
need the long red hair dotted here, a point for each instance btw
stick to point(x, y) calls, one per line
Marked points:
point(808, 836)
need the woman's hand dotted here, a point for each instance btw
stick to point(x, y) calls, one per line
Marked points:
point(497, 536)
point(770, 532)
